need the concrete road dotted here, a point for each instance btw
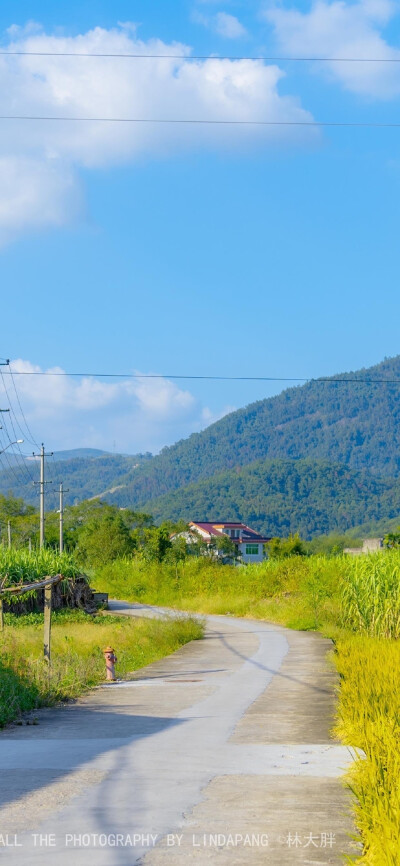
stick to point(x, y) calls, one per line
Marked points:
point(219, 753)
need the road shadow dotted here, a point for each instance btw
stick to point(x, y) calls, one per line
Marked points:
point(65, 740)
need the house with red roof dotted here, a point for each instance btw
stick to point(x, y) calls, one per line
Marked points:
point(250, 544)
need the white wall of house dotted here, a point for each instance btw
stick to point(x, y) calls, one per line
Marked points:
point(249, 554)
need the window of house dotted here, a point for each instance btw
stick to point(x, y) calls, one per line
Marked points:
point(251, 549)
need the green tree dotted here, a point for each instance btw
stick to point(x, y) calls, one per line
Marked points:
point(392, 539)
point(178, 552)
point(105, 539)
point(223, 547)
point(280, 548)
point(156, 543)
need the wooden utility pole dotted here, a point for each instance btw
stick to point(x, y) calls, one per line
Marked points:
point(2, 582)
point(41, 484)
point(47, 583)
point(61, 512)
point(48, 598)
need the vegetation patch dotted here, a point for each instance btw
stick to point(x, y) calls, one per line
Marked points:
point(77, 658)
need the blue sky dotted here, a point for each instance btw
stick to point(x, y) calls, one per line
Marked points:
point(233, 251)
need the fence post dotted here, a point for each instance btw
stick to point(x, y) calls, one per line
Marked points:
point(48, 590)
point(1, 615)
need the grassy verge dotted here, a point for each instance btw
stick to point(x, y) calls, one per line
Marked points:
point(77, 659)
point(354, 602)
point(369, 717)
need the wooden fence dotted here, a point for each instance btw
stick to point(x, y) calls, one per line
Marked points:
point(47, 583)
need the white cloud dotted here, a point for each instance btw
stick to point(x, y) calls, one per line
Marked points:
point(35, 193)
point(138, 414)
point(40, 161)
point(228, 26)
point(342, 29)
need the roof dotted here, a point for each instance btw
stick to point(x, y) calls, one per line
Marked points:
point(215, 528)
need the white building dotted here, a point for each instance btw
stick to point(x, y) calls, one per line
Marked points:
point(250, 544)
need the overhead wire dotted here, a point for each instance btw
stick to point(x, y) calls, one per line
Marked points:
point(187, 58)
point(30, 436)
point(10, 469)
point(20, 463)
point(20, 460)
point(202, 122)
point(217, 378)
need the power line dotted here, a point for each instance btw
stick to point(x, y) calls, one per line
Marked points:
point(30, 434)
point(187, 58)
point(309, 379)
point(4, 453)
point(19, 459)
point(9, 467)
point(206, 122)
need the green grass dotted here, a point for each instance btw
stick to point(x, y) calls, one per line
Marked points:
point(356, 602)
point(304, 589)
point(77, 659)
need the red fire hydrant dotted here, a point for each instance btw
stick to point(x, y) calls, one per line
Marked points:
point(110, 659)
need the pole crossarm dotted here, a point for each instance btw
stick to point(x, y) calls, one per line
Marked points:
point(26, 587)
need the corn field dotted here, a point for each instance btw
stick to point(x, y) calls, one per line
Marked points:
point(20, 566)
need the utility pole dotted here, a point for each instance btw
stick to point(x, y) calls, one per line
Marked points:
point(61, 513)
point(41, 484)
point(9, 532)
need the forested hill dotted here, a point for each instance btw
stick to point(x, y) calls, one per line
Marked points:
point(354, 424)
point(84, 473)
point(282, 496)
point(317, 458)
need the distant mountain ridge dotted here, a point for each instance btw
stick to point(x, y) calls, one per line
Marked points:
point(317, 457)
point(355, 424)
point(279, 497)
point(84, 477)
point(77, 453)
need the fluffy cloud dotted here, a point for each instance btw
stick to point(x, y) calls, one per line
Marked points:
point(136, 414)
point(342, 29)
point(40, 161)
point(226, 25)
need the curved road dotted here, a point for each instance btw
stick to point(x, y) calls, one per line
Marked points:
point(218, 753)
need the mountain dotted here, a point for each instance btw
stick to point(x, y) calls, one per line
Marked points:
point(319, 457)
point(355, 424)
point(278, 497)
point(75, 453)
point(83, 477)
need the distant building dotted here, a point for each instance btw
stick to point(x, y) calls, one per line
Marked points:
point(250, 544)
point(370, 545)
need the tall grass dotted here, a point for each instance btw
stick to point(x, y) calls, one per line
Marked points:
point(371, 594)
point(304, 589)
point(77, 658)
